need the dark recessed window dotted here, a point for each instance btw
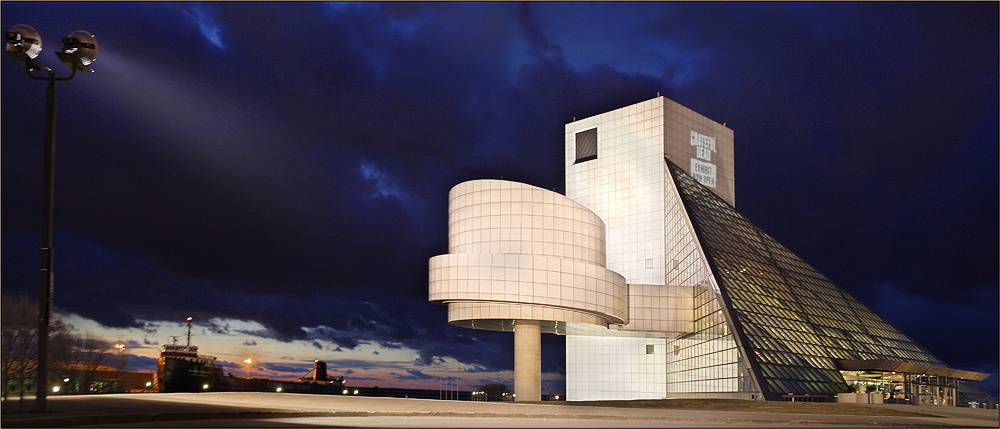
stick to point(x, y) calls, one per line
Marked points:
point(649, 349)
point(586, 145)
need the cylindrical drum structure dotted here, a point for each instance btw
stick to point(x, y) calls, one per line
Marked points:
point(524, 259)
point(519, 252)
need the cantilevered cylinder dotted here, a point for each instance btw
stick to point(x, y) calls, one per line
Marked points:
point(528, 260)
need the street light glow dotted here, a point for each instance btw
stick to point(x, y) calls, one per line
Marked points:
point(248, 362)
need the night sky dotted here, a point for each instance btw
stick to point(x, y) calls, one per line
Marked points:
point(280, 171)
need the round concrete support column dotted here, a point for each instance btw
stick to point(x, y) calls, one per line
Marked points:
point(527, 360)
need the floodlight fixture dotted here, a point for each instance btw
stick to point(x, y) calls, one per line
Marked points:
point(23, 45)
point(79, 50)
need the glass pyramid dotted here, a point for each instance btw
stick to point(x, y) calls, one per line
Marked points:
point(791, 323)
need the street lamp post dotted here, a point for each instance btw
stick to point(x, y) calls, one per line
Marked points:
point(119, 366)
point(79, 50)
point(121, 356)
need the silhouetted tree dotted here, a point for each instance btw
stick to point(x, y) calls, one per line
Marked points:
point(61, 343)
point(497, 392)
point(19, 354)
point(18, 319)
point(90, 355)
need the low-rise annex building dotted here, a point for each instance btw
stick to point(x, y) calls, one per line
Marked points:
point(663, 289)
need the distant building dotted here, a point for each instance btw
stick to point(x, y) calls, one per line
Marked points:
point(663, 289)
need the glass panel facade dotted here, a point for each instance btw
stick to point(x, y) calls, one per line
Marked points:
point(972, 396)
point(908, 388)
point(792, 321)
point(708, 359)
point(705, 359)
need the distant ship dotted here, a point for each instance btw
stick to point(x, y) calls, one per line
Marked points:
point(181, 369)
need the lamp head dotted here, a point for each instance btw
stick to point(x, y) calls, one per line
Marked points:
point(23, 45)
point(79, 50)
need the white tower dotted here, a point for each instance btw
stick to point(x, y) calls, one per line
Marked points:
point(615, 166)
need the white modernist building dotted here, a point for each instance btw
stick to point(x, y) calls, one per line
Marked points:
point(661, 288)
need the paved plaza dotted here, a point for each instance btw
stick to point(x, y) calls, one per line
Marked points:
point(257, 409)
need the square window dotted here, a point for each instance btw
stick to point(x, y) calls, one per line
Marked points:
point(649, 349)
point(586, 145)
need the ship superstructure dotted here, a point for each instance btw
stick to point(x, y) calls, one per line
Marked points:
point(181, 369)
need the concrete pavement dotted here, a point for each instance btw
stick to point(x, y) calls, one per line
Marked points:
point(259, 409)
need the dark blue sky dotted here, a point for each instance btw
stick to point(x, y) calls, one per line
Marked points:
point(285, 166)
